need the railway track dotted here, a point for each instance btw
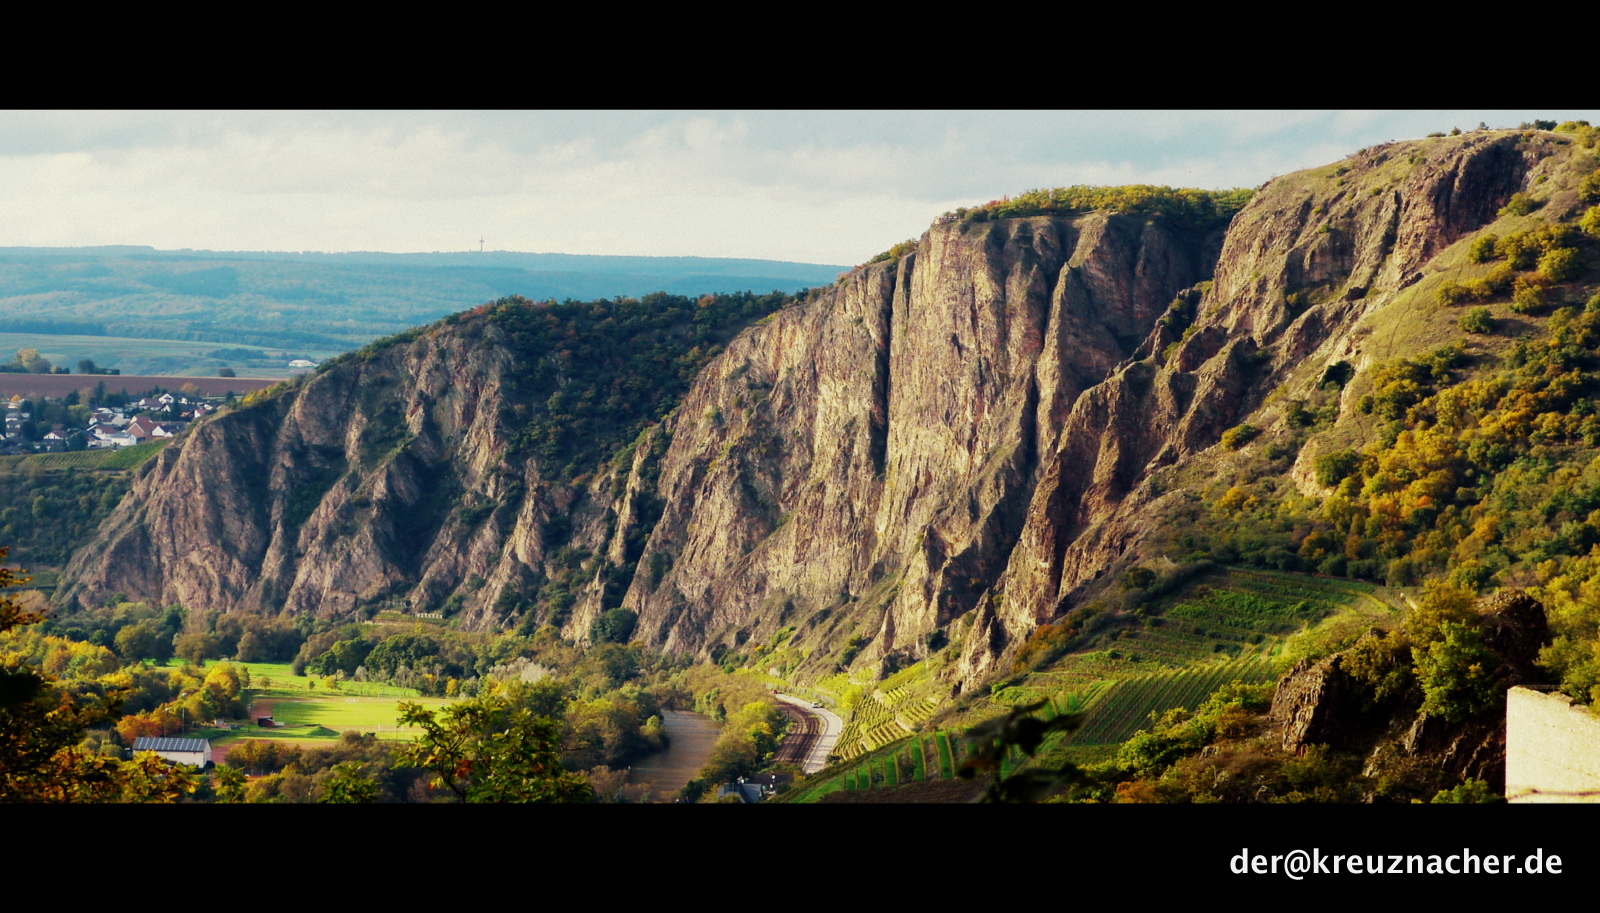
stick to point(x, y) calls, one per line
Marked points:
point(804, 731)
point(813, 731)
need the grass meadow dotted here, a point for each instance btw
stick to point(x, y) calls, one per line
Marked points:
point(309, 712)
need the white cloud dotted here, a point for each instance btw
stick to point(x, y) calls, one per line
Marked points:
point(801, 185)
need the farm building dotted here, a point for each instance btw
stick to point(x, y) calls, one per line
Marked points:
point(195, 752)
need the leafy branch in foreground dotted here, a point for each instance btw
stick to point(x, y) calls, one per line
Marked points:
point(990, 742)
point(488, 750)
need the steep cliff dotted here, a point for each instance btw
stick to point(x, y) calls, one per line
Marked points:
point(862, 467)
point(432, 472)
point(1311, 266)
point(341, 491)
point(941, 448)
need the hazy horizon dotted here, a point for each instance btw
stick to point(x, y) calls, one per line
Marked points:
point(822, 187)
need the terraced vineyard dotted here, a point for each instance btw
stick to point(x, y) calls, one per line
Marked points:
point(1124, 707)
point(922, 758)
point(896, 707)
point(1224, 626)
point(874, 724)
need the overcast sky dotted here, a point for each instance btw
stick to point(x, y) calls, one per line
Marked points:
point(810, 186)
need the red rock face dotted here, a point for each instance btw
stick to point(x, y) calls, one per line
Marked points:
point(940, 448)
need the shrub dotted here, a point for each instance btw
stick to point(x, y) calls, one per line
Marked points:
point(1561, 264)
point(1590, 223)
point(897, 251)
point(1240, 435)
point(1470, 792)
point(1519, 250)
point(1298, 416)
point(1450, 293)
point(1457, 673)
point(1337, 375)
point(1477, 320)
point(1527, 298)
point(1496, 282)
point(1589, 189)
point(1482, 250)
point(1330, 469)
point(1520, 204)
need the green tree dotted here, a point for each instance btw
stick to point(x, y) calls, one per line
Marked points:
point(1477, 320)
point(197, 647)
point(1590, 223)
point(1137, 578)
point(1334, 467)
point(148, 639)
point(1561, 264)
point(229, 784)
point(486, 750)
point(613, 627)
point(347, 786)
point(1471, 791)
point(1457, 673)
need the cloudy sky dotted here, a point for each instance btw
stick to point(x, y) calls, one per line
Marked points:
point(810, 186)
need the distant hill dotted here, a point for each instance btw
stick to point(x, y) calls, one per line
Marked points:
point(329, 302)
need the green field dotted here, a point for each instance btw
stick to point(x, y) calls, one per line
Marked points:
point(327, 717)
point(308, 712)
point(281, 682)
point(134, 356)
point(125, 458)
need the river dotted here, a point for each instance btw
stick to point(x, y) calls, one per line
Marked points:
point(690, 739)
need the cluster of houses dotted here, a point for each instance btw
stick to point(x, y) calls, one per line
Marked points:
point(147, 419)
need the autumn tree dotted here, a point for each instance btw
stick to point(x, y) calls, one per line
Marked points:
point(31, 361)
point(41, 725)
point(489, 750)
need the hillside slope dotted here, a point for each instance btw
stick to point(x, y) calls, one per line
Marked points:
point(942, 448)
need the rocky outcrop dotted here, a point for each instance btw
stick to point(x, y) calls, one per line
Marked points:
point(380, 480)
point(943, 447)
point(1320, 704)
point(863, 467)
point(1315, 704)
point(1308, 258)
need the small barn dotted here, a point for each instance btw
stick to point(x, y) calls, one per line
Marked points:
point(194, 752)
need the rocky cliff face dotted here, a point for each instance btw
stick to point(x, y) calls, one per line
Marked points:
point(378, 480)
point(863, 467)
point(940, 448)
point(1306, 264)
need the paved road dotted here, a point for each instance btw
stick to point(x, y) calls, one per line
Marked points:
point(813, 736)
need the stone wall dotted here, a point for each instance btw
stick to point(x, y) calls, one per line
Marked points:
point(1552, 749)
